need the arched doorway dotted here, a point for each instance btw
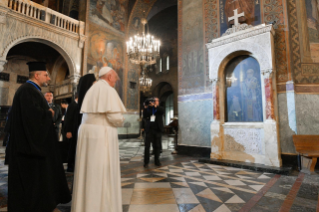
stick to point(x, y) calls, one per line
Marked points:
point(17, 69)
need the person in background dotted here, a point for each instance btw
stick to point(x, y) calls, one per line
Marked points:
point(64, 106)
point(36, 179)
point(57, 112)
point(70, 131)
point(154, 128)
point(6, 138)
point(63, 143)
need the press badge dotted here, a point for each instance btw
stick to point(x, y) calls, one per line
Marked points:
point(152, 118)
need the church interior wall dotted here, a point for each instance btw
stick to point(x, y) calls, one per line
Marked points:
point(194, 88)
point(214, 16)
point(195, 118)
point(304, 42)
point(307, 114)
point(285, 131)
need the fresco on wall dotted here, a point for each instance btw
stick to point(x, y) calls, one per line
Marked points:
point(106, 49)
point(312, 7)
point(193, 75)
point(251, 9)
point(108, 13)
point(136, 22)
point(243, 90)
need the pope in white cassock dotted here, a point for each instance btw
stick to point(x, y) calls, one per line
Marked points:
point(97, 178)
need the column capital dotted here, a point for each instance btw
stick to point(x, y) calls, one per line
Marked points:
point(74, 79)
point(267, 73)
point(2, 63)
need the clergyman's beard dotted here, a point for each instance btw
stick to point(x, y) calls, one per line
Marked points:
point(45, 84)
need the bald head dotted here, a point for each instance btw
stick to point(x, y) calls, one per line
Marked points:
point(111, 77)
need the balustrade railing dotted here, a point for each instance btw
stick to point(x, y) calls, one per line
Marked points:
point(37, 11)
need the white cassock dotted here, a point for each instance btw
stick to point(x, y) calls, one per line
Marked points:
point(97, 178)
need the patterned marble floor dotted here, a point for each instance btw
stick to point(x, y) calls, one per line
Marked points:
point(182, 184)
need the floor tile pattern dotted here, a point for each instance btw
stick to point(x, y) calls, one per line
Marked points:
point(182, 184)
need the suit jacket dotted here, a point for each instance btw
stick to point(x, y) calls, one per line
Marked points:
point(148, 112)
point(57, 115)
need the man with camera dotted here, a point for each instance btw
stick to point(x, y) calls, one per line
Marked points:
point(154, 128)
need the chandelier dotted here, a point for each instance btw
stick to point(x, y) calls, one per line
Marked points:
point(143, 49)
point(145, 83)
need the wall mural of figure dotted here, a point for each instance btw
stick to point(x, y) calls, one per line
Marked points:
point(243, 90)
point(106, 50)
point(312, 7)
point(251, 8)
point(108, 13)
point(136, 22)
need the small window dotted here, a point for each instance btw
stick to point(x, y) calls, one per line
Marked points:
point(169, 109)
point(161, 65)
point(167, 63)
point(132, 85)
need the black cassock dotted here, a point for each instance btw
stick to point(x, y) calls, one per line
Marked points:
point(71, 125)
point(36, 181)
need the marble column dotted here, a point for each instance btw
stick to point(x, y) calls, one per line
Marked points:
point(216, 99)
point(74, 81)
point(216, 141)
point(270, 114)
point(2, 63)
point(291, 105)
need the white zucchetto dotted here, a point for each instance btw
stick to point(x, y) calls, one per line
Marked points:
point(104, 71)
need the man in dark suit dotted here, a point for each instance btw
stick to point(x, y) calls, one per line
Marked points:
point(154, 128)
point(57, 112)
point(70, 131)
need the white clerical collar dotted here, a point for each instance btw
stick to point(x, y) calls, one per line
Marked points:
point(105, 82)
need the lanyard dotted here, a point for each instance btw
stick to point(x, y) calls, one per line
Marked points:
point(154, 111)
point(35, 85)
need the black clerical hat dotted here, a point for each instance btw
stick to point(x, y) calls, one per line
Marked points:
point(37, 66)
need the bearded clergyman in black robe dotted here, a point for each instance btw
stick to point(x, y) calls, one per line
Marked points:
point(36, 181)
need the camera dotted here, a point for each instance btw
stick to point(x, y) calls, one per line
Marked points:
point(149, 101)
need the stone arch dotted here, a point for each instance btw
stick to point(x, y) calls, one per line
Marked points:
point(240, 48)
point(157, 90)
point(57, 47)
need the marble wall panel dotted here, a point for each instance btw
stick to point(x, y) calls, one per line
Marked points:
point(244, 140)
point(131, 120)
point(285, 132)
point(307, 112)
point(195, 119)
point(192, 77)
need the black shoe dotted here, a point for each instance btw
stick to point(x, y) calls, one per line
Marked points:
point(158, 164)
point(145, 165)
